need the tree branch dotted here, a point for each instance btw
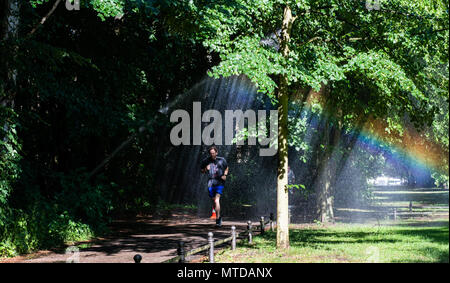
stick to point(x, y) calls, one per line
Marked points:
point(311, 40)
point(118, 149)
point(45, 17)
point(107, 159)
point(431, 31)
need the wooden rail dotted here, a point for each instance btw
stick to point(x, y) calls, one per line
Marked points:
point(182, 254)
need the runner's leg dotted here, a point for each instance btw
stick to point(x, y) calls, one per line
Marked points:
point(217, 205)
point(212, 195)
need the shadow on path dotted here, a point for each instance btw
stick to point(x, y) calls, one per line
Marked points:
point(155, 239)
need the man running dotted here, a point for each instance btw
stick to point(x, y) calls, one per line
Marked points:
point(217, 169)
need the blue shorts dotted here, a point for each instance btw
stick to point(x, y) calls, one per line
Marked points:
point(215, 190)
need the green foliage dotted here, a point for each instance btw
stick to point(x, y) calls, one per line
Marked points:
point(9, 173)
point(362, 54)
point(298, 122)
point(438, 132)
point(104, 8)
point(250, 59)
point(108, 8)
point(64, 230)
point(90, 202)
point(24, 232)
point(84, 82)
point(9, 155)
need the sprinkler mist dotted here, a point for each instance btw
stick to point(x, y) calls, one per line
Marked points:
point(334, 165)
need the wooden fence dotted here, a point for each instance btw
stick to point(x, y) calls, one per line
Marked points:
point(182, 254)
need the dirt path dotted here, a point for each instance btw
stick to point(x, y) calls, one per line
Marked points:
point(156, 240)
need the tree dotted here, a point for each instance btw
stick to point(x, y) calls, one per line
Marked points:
point(360, 56)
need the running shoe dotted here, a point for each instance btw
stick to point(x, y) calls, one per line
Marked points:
point(219, 222)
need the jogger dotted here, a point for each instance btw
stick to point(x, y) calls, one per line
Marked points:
point(217, 169)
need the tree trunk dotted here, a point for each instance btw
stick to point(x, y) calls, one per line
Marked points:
point(323, 179)
point(9, 23)
point(282, 174)
point(327, 174)
point(411, 178)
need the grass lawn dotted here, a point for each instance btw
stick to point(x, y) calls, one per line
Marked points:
point(395, 242)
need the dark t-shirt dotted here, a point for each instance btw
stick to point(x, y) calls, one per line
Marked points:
point(217, 168)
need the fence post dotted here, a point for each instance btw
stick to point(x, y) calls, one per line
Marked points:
point(180, 252)
point(249, 228)
point(233, 238)
point(271, 222)
point(137, 258)
point(262, 224)
point(395, 213)
point(410, 206)
point(211, 247)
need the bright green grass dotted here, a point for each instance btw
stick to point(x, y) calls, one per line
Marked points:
point(349, 243)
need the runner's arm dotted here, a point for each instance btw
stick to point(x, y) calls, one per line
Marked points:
point(203, 166)
point(225, 173)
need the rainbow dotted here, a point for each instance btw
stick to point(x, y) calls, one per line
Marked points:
point(410, 147)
